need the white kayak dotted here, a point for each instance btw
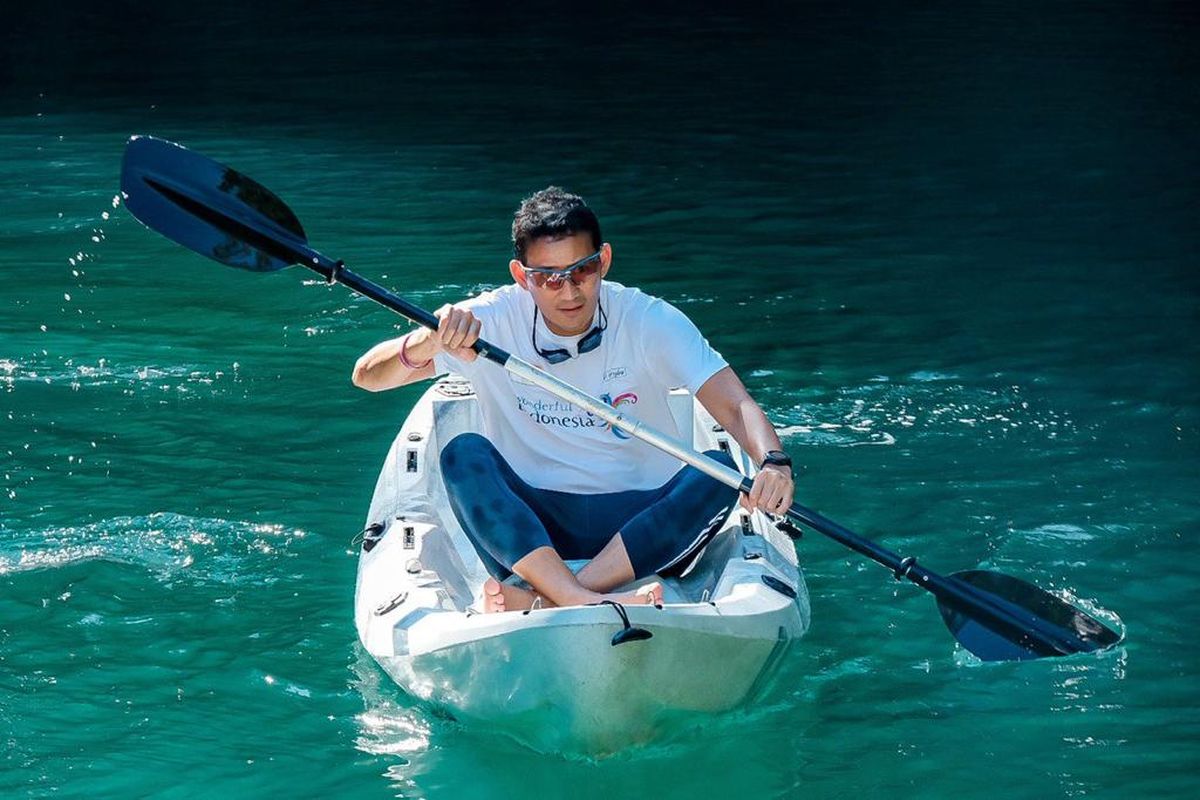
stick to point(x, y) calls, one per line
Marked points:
point(553, 678)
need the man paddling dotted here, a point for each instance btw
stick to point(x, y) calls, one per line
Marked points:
point(549, 481)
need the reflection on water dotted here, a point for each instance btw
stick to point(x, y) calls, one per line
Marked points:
point(426, 753)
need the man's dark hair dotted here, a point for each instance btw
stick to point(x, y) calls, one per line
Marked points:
point(553, 212)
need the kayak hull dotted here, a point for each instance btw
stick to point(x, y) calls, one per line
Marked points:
point(559, 689)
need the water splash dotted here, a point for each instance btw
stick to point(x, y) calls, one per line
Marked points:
point(132, 378)
point(883, 412)
point(169, 546)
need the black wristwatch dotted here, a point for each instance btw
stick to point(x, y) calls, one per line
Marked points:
point(776, 458)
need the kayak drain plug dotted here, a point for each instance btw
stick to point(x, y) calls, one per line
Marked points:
point(628, 633)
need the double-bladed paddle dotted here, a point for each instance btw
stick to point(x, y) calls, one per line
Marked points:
point(230, 218)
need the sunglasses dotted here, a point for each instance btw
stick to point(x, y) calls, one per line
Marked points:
point(554, 279)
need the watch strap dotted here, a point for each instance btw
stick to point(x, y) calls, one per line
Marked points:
point(776, 458)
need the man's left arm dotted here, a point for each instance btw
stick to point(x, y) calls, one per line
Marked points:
point(734, 409)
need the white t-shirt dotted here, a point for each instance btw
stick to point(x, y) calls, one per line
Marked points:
point(648, 348)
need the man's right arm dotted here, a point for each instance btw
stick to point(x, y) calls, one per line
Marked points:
point(398, 362)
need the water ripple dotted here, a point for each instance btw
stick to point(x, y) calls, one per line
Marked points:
point(881, 412)
point(169, 546)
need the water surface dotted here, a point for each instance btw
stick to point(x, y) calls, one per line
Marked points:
point(952, 252)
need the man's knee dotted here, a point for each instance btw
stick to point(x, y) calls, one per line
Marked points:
point(722, 456)
point(462, 450)
point(725, 459)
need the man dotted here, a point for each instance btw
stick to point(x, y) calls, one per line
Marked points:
point(549, 481)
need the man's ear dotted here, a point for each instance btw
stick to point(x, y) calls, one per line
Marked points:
point(518, 274)
point(605, 258)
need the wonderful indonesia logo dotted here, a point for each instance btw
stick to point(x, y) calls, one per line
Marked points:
point(560, 414)
point(628, 398)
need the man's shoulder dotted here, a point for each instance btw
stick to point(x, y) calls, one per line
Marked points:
point(640, 306)
point(623, 292)
point(629, 298)
point(498, 299)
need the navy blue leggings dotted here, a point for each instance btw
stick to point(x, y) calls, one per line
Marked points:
point(507, 519)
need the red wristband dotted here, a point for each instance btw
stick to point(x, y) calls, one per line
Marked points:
point(404, 356)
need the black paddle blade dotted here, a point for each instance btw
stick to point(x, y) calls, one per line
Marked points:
point(1053, 626)
point(208, 207)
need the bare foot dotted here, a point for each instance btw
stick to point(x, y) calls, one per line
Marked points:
point(493, 597)
point(499, 596)
point(652, 594)
point(649, 595)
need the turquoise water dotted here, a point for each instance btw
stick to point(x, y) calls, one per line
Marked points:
point(952, 253)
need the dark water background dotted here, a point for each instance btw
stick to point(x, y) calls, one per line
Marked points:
point(951, 249)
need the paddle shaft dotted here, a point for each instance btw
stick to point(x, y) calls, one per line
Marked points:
point(230, 218)
point(1025, 626)
point(1019, 625)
